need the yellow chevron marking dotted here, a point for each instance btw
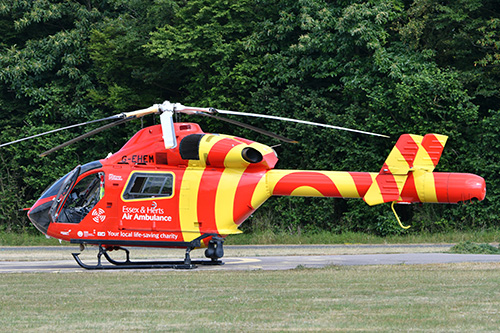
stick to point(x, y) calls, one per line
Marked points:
point(423, 160)
point(344, 182)
point(261, 193)
point(306, 191)
point(226, 193)
point(397, 163)
point(233, 158)
point(400, 182)
point(441, 138)
point(188, 212)
point(373, 196)
point(425, 185)
point(417, 138)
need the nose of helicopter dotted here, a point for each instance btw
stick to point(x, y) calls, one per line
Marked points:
point(39, 215)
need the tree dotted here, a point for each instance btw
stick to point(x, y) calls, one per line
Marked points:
point(386, 66)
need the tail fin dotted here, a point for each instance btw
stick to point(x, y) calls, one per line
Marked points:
point(411, 152)
point(430, 152)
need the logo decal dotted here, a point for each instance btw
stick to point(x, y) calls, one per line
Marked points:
point(98, 215)
point(66, 233)
point(115, 177)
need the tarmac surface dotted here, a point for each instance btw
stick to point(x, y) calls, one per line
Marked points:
point(269, 262)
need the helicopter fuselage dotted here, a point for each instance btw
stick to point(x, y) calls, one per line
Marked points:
point(146, 195)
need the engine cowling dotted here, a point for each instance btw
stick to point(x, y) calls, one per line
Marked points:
point(223, 151)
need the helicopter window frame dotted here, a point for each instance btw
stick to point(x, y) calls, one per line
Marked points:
point(143, 185)
point(86, 192)
point(53, 189)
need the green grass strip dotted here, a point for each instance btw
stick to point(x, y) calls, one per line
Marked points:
point(431, 298)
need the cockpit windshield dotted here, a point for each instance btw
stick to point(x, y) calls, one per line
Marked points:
point(63, 192)
point(56, 186)
point(82, 198)
point(74, 200)
point(57, 203)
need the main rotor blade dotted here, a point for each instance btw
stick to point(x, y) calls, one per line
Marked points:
point(86, 135)
point(60, 129)
point(250, 127)
point(191, 110)
point(256, 115)
point(123, 115)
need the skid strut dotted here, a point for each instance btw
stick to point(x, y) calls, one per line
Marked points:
point(187, 263)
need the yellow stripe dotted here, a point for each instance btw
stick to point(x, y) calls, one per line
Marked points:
point(417, 138)
point(188, 200)
point(401, 171)
point(374, 196)
point(344, 182)
point(226, 193)
point(425, 185)
point(206, 144)
point(188, 212)
point(397, 163)
point(442, 139)
point(224, 200)
point(423, 160)
point(400, 182)
point(233, 158)
point(261, 193)
point(306, 191)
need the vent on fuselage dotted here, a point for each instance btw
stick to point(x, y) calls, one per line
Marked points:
point(190, 146)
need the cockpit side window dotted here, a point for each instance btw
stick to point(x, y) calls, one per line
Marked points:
point(149, 185)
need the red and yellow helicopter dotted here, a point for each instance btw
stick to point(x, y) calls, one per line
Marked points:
point(174, 186)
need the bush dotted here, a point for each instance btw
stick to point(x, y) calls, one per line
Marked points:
point(469, 247)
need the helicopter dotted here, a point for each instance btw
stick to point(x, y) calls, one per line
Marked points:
point(174, 186)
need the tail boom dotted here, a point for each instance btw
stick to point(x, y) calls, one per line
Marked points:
point(419, 187)
point(334, 184)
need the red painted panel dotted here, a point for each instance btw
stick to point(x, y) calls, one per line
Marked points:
point(316, 180)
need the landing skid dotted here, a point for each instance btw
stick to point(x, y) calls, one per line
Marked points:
point(187, 263)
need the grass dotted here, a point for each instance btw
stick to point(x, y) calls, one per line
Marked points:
point(25, 239)
point(473, 248)
point(451, 297)
point(458, 297)
point(270, 237)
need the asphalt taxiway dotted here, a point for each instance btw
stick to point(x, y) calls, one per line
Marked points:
point(269, 262)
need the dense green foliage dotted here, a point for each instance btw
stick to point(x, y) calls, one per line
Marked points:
point(474, 248)
point(387, 66)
